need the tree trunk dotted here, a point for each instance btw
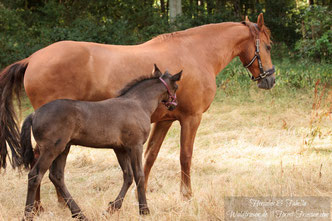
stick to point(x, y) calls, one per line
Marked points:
point(209, 6)
point(162, 7)
point(175, 9)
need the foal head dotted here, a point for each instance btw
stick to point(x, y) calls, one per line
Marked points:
point(169, 81)
point(256, 54)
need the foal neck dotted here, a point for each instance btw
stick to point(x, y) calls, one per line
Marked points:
point(147, 93)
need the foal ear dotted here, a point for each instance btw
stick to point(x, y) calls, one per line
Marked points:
point(177, 76)
point(247, 19)
point(156, 72)
point(260, 21)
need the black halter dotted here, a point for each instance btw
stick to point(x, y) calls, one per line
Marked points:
point(263, 74)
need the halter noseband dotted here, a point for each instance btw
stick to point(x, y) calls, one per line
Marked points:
point(171, 98)
point(263, 74)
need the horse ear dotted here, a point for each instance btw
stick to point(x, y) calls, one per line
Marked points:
point(247, 19)
point(260, 21)
point(177, 76)
point(156, 72)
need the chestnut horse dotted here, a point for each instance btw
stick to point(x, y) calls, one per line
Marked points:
point(92, 72)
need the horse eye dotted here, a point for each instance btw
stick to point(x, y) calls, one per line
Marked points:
point(268, 47)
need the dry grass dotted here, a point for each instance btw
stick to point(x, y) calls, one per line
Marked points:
point(252, 148)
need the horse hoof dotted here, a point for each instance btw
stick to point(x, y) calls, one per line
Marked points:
point(186, 196)
point(144, 211)
point(114, 206)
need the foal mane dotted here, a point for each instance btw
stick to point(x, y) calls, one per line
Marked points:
point(134, 83)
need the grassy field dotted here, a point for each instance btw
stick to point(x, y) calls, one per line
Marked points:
point(250, 143)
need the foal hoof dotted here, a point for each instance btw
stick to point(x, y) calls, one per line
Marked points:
point(144, 211)
point(114, 206)
point(28, 216)
point(80, 216)
point(27, 219)
point(37, 208)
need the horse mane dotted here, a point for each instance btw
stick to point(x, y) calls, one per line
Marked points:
point(180, 33)
point(167, 36)
point(134, 83)
point(254, 30)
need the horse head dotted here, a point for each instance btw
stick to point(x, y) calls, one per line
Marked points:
point(256, 54)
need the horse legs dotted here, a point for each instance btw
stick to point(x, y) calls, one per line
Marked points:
point(189, 126)
point(35, 176)
point(124, 161)
point(136, 164)
point(57, 177)
point(157, 136)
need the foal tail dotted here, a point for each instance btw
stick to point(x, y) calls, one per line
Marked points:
point(26, 145)
point(11, 81)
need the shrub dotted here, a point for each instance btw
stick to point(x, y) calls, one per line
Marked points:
point(316, 42)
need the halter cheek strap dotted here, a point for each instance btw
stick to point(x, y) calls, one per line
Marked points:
point(263, 74)
point(171, 98)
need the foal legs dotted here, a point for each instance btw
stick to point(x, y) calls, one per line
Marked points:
point(124, 161)
point(57, 177)
point(136, 164)
point(35, 176)
point(37, 204)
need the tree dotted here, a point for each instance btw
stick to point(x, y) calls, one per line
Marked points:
point(175, 9)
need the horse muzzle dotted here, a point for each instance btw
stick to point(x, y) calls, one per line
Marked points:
point(267, 82)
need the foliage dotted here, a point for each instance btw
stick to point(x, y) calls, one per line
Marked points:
point(316, 42)
point(289, 74)
point(28, 25)
point(282, 20)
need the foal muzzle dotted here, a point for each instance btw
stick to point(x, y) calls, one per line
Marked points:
point(171, 103)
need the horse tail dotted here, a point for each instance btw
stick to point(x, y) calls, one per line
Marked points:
point(11, 81)
point(25, 140)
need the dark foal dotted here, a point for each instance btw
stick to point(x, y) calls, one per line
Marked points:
point(121, 123)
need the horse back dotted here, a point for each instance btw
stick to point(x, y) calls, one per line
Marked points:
point(93, 72)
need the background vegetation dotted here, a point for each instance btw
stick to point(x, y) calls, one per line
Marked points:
point(300, 28)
